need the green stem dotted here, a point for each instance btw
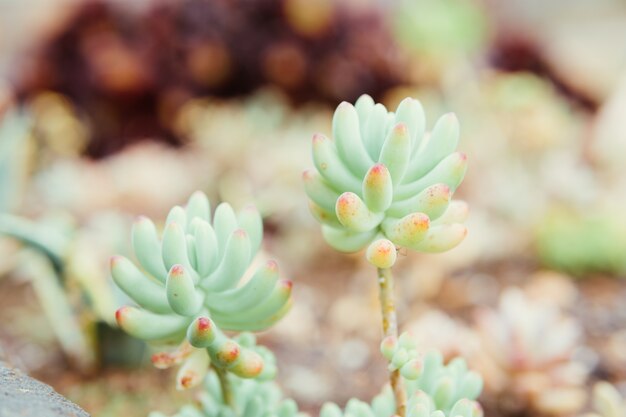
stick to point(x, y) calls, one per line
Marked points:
point(390, 328)
point(227, 392)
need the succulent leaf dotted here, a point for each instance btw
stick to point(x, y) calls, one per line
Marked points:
point(147, 248)
point(407, 231)
point(224, 352)
point(224, 223)
point(250, 220)
point(441, 238)
point(330, 166)
point(176, 215)
point(347, 136)
point(174, 247)
point(411, 113)
point(441, 142)
point(377, 188)
point(396, 152)
point(250, 294)
point(146, 292)
point(181, 292)
point(354, 215)
point(449, 171)
point(456, 212)
point(345, 240)
point(433, 202)
point(207, 252)
point(193, 370)
point(236, 257)
point(324, 216)
point(382, 253)
point(145, 325)
point(198, 207)
point(375, 130)
point(319, 190)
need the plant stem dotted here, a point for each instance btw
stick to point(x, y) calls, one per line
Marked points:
point(227, 392)
point(390, 328)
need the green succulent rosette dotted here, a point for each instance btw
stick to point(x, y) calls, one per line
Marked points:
point(188, 287)
point(381, 182)
point(435, 389)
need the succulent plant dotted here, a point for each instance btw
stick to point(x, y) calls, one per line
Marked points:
point(440, 31)
point(45, 244)
point(448, 389)
point(528, 356)
point(607, 401)
point(190, 287)
point(383, 183)
point(582, 244)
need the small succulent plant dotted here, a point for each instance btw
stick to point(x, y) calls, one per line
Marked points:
point(188, 289)
point(440, 32)
point(448, 388)
point(582, 244)
point(528, 355)
point(383, 183)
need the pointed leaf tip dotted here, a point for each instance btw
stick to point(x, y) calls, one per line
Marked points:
point(203, 324)
point(228, 352)
point(114, 260)
point(177, 271)
point(120, 314)
point(201, 332)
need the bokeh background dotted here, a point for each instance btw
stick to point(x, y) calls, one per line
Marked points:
point(111, 108)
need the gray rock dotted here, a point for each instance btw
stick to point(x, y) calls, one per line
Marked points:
point(22, 396)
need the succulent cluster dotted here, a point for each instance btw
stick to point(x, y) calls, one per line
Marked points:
point(190, 287)
point(528, 355)
point(432, 386)
point(382, 182)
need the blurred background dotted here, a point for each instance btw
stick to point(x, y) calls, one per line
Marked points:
point(110, 109)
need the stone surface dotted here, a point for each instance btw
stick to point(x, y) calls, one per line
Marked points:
point(22, 396)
